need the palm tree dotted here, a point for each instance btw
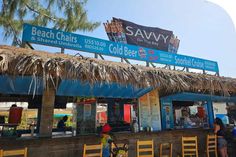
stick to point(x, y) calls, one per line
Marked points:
point(67, 15)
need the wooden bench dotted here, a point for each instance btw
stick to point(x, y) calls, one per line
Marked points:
point(14, 152)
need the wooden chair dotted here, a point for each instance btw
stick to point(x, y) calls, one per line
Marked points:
point(92, 150)
point(14, 152)
point(145, 147)
point(211, 145)
point(118, 145)
point(164, 147)
point(189, 146)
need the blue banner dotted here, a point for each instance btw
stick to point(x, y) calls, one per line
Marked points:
point(167, 114)
point(57, 38)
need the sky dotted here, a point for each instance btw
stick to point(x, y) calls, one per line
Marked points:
point(205, 29)
point(228, 6)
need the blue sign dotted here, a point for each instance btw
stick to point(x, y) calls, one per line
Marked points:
point(167, 116)
point(57, 38)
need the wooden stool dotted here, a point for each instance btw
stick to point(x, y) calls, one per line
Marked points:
point(211, 145)
point(14, 152)
point(92, 150)
point(166, 147)
point(148, 148)
point(189, 146)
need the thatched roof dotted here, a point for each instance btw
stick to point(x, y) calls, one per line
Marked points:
point(20, 61)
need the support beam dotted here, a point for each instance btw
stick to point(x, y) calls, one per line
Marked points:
point(126, 60)
point(210, 113)
point(62, 50)
point(167, 67)
point(101, 56)
point(38, 119)
point(152, 65)
point(187, 69)
point(46, 117)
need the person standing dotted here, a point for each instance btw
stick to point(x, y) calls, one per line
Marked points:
point(106, 140)
point(15, 114)
point(219, 130)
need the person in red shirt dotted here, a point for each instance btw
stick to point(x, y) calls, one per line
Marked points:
point(106, 140)
point(15, 114)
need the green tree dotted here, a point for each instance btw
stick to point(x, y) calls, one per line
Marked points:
point(67, 15)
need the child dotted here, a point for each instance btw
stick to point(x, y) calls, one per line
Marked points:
point(106, 140)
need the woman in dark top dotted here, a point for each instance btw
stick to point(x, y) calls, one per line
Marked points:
point(61, 126)
point(219, 130)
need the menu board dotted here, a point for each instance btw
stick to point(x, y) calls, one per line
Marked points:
point(155, 110)
point(144, 111)
point(150, 110)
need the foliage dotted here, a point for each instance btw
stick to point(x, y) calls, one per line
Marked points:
point(67, 15)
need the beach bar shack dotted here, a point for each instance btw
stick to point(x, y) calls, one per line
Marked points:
point(157, 98)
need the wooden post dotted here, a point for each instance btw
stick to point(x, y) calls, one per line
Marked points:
point(46, 118)
point(62, 50)
point(210, 113)
point(187, 69)
point(38, 119)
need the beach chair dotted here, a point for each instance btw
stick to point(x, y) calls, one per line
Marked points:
point(166, 150)
point(189, 146)
point(211, 145)
point(14, 152)
point(145, 148)
point(92, 150)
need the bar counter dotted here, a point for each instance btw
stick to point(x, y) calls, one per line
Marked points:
point(73, 146)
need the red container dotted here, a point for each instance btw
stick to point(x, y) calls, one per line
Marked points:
point(201, 112)
point(127, 110)
point(15, 115)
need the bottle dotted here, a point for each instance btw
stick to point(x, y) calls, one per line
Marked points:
point(74, 133)
point(151, 129)
point(148, 129)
